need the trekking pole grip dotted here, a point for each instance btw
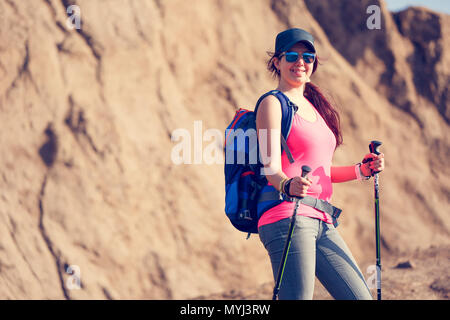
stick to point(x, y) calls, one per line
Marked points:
point(373, 148)
point(305, 171)
point(374, 145)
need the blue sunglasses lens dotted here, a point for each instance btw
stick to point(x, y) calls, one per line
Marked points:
point(291, 56)
point(294, 56)
point(309, 57)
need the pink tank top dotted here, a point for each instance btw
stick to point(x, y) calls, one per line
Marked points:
point(311, 144)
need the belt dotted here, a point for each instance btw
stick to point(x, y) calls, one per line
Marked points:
point(318, 204)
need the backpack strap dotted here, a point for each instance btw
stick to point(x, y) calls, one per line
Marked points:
point(288, 109)
point(286, 149)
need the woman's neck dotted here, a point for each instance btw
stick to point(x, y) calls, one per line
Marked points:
point(294, 92)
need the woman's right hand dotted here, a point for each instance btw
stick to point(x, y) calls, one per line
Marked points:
point(299, 186)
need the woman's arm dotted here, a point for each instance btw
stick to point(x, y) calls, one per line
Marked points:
point(347, 173)
point(343, 174)
point(268, 124)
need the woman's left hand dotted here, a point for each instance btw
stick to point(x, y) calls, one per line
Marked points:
point(374, 165)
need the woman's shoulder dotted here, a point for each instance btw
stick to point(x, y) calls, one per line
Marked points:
point(268, 102)
point(269, 108)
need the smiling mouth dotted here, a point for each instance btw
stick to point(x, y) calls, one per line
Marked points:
point(298, 72)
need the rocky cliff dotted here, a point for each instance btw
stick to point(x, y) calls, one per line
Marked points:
point(93, 204)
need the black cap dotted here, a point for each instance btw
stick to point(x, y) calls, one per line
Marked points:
point(286, 39)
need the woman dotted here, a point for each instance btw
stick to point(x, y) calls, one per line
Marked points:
point(317, 249)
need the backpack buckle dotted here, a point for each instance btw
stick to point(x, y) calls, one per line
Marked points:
point(335, 216)
point(336, 212)
point(245, 215)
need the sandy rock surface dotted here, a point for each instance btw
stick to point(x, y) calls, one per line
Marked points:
point(90, 185)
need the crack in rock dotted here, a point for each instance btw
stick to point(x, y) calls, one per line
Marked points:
point(77, 123)
point(48, 242)
point(95, 47)
point(24, 72)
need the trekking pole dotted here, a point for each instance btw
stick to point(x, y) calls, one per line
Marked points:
point(373, 147)
point(276, 289)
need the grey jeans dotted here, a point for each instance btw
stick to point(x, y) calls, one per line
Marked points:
point(316, 249)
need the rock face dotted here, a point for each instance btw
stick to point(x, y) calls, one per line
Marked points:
point(93, 202)
point(410, 45)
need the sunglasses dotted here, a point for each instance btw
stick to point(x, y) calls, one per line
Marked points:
point(293, 56)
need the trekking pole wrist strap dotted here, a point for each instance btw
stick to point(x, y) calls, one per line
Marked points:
point(359, 174)
point(287, 188)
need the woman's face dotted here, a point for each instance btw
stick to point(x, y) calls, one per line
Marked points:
point(295, 73)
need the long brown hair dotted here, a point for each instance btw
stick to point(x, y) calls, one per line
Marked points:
point(325, 109)
point(316, 97)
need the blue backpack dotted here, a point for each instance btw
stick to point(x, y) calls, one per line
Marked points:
point(247, 195)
